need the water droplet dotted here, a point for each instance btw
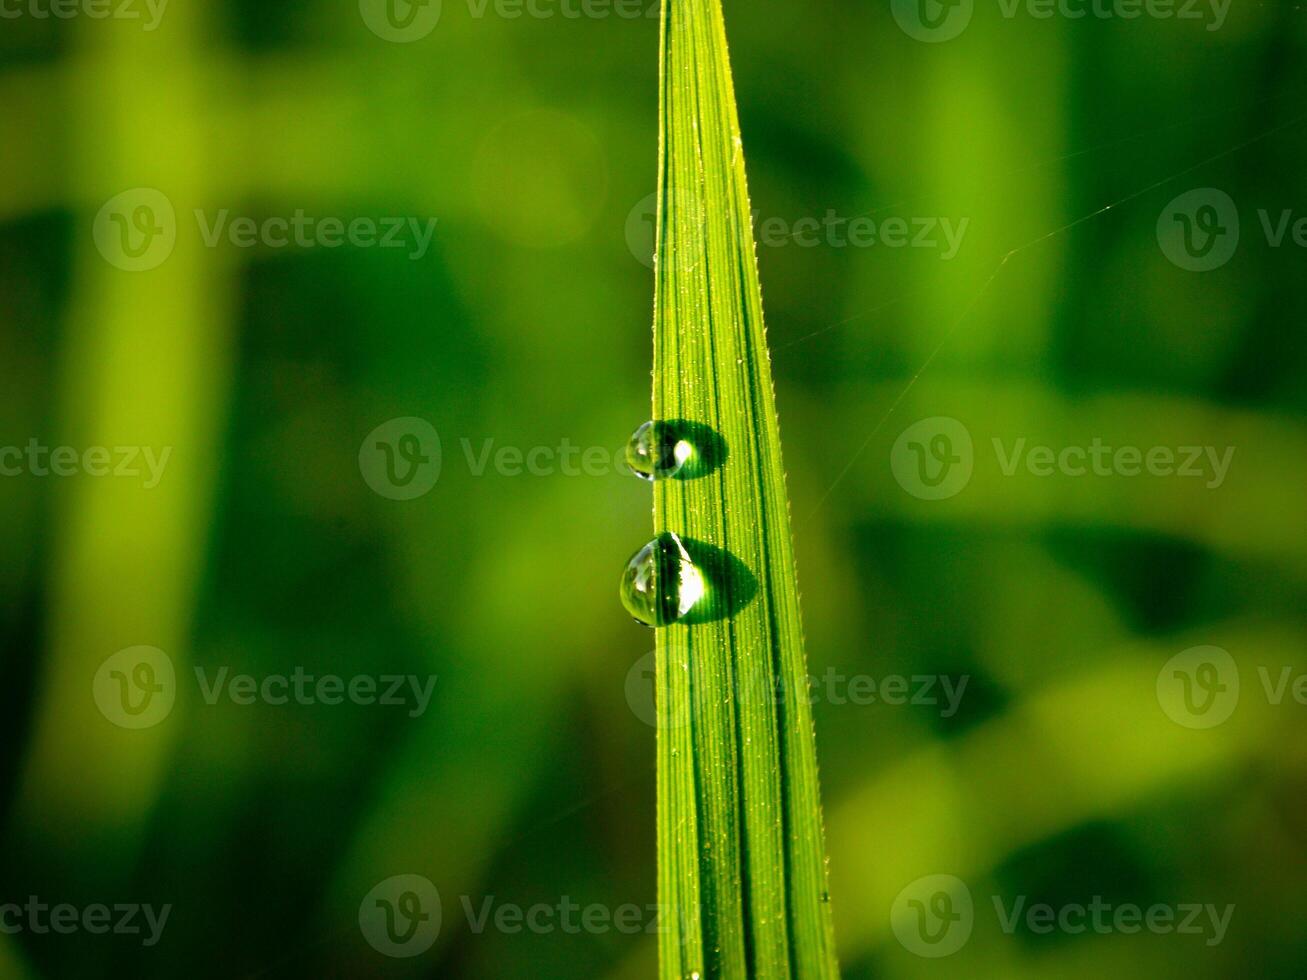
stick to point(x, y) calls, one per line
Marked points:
point(675, 449)
point(661, 583)
point(657, 451)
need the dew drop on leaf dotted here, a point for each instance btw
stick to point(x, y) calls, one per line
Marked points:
point(657, 451)
point(661, 583)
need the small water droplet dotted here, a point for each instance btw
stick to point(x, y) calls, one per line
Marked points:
point(657, 451)
point(661, 583)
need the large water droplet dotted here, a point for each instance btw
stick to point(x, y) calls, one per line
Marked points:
point(657, 451)
point(661, 583)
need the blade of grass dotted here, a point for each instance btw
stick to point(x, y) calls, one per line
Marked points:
point(742, 868)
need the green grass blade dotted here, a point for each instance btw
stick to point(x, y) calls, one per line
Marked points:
point(742, 869)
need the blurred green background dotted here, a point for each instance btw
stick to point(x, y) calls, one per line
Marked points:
point(1072, 768)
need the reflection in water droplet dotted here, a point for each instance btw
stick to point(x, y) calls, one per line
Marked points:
point(657, 451)
point(675, 448)
point(661, 583)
